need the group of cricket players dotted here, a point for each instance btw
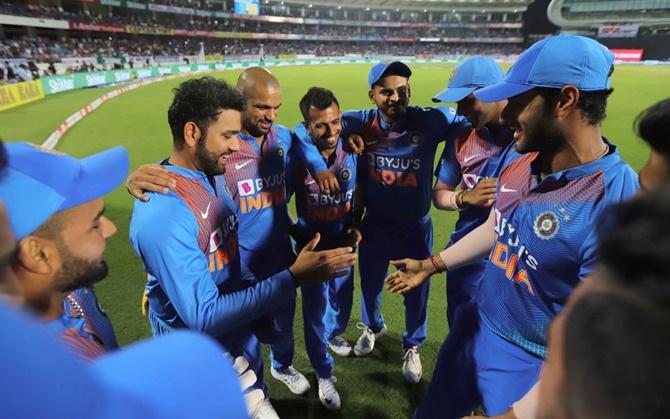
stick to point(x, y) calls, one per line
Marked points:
point(524, 164)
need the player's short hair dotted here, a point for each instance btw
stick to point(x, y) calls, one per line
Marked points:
point(616, 341)
point(635, 243)
point(653, 126)
point(200, 101)
point(318, 97)
point(592, 104)
point(615, 352)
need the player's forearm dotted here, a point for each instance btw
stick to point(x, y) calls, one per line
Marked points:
point(228, 311)
point(308, 152)
point(474, 246)
point(445, 199)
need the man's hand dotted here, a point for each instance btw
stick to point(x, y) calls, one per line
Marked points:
point(355, 144)
point(410, 274)
point(353, 237)
point(149, 178)
point(327, 182)
point(313, 267)
point(483, 194)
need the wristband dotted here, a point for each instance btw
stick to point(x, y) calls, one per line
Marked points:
point(436, 265)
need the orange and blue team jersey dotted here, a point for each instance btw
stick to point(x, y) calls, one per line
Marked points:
point(399, 157)
point(546, 241)
point(188, 242)
point(328, 214)
point(256, 179)
point(465, 161)
point(84, 327)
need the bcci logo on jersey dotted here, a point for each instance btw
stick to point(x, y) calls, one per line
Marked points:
point(546, 225)
point(415, 138)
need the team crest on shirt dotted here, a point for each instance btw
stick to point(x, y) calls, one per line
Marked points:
point(546, 225)
point(415, 138)
point(280, 152)
point(345, 174)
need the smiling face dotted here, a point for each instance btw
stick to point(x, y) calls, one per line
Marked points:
point(531, 117)
point(220, 141)
point(325, 126)
point(261, 110)
point(391, 96)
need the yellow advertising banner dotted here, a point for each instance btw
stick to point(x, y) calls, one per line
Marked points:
point(13, 95)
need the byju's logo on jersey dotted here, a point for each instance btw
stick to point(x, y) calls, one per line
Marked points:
point(246, 187)
point(546, 225)
point(471, 180)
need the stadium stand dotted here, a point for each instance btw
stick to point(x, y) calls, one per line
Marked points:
point(636, 25)
point(81, 35)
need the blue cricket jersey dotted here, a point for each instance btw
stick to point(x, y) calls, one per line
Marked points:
point(256, 179)
point(188, 242)
point(328, 214)
point(546, 241)
point(399, 156)
point(465, 161)
point(97, 321)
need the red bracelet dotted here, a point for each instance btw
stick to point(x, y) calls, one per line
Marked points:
point(435, 264)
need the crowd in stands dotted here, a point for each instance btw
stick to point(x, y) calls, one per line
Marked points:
point(43, 49)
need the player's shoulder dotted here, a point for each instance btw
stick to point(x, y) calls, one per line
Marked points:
point(620, 181)
point(160, 216)
point(361, 114)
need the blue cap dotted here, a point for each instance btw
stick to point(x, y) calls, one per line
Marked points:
point(152, 379)
point(471, 74)
point(39, 182)
point(555, 62)
point(381, 70)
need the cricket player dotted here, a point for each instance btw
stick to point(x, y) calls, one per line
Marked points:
point(56, 212)
point(256, 179)
point(471, 162)
point(188, 238)
point(400, 145)
point(326, 307)
point(540, 234)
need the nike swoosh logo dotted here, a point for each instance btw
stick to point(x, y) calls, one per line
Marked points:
point(467, 159)
point(309, 182)
point(372, 142)
point(238, 166)
point(205, 214)
point(504, 189)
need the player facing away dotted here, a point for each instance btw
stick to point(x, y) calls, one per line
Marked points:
point(326, 307)
point(55, 207)
point(188, 238)
point(540, 234)
point(470, 162)
point(400, 146)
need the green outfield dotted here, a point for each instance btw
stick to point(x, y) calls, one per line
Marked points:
point(371, 387)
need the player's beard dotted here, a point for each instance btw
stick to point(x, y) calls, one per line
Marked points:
point(208, 162)
point(76, 272)
point(544, 137)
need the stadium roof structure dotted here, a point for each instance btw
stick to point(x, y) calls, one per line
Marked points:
point(484, 6)
point(590, 13)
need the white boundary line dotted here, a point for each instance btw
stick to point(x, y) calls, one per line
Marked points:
point(53, 139)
